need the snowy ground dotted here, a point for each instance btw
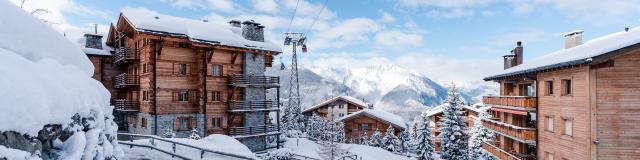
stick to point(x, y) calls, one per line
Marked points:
point(306, 147)
point(221, 143)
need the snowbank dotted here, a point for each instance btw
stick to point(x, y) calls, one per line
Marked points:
point(215, 142)
point(306, 147)
point(46, 80)
point(16, 154)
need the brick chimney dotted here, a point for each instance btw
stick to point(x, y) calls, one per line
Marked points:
point(252, 31)
point(572, 39)
point(515, 57)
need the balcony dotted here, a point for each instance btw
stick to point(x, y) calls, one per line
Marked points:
point(123, 80)
point(125, 105)
point(501, 154)
point(254, 81)
point(515, 101)
point(124, 55)
point(522, 134)
point(250, 106)
point(252, 131)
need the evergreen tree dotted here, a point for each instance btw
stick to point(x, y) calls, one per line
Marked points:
point(424, 141)
point(316, 127)
point(479, 135)
point(339, 131)
point(194, 134)
point(404, 141)
point(453, 129)
point(329, 148)
point(414, 128)
point(376, 139)
point(389, 140)
point(168, 133)
point(364, 139)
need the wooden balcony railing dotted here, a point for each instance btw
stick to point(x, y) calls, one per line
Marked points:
point(523, 133)
point(516, 101)
point(126, 105)
point(248, 131)
point(249, 106)
point(123, 80)
point(501, 154)
point(254, 81)
point(124, 55)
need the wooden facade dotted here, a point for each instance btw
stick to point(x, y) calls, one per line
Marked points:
point(336, 107)
point(366, 124)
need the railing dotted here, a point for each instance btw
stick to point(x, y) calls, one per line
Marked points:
point(247, 106)
point(124, 80)
point(126, 105)
point(239, 80)
point(124, 54)
point(523, 133)
point(253, 130)
point(153, 139)
point(516, 101)
point(302, 157)
point(501, 154)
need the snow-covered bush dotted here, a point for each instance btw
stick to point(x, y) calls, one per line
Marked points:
point(168, 133)
point(62, 112)
point(280, 154)
point(453, 128)
point(376, 139)
point(389, 140)
point(479, 135)
point(194, 134)
point(364, 139)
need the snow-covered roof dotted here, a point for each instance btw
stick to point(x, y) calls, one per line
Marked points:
point(438, 109)
point(348, 99)
point(581, 54)
point(78, 37)
point(196, 30)
point(434, 111)
point(385, 116)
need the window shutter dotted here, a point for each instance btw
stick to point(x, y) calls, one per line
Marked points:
point(192, 123)
point(176, 123)
point(175, 68)
point(209, 69)
point(188, 68)
point(174, 96)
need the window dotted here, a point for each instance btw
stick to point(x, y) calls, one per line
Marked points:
point(216, 123)
point(144, 96)
point(568, 127)
point(341, 106)
point(216, 70)
point(184, 45)
point(182, 69)
point(184, 123)
point(365, 126)
point(183, 96)
point(566, 87)
point(143, 123)
point(549, 123)
point(216, 96)
point(144, 68)
point(549, 156)
point(341, 115)
point(549, 87)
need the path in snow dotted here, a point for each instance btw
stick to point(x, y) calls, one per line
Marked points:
point(138, 153)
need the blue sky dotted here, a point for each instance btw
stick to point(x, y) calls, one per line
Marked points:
point(447, 40)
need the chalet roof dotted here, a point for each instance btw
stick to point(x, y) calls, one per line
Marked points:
point(438, 109)
point(196, 30)
point(581, 54)
point(381, 115)
point(348, 99)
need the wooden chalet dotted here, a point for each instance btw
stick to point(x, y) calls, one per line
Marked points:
point(336, 107)
point(181, 75)
point(367, 121)
point(581, 102)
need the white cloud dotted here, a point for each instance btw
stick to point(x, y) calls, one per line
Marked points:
point(266, 6)
point(344, 33)
point(591, 11)
point(55, 10)
point(444, 3)
point(396, 39)
point(223, 5)
point(186, 3)
point(387, 18)
point(450, 13)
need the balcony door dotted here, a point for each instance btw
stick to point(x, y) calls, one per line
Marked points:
point(526, 90)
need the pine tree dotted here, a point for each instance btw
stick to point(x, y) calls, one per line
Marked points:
point(329, 146)
point(316, 127)
point(168, 133)
point(389, 140)
point(194, 134)
point(339, 131)
point(376, 139)
point(453, 129)
point(424, 141)
point(404, 141)
point(414, 127)
point(364, 139)
point(479, 135)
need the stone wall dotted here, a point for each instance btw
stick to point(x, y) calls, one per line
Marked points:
point(254, 66)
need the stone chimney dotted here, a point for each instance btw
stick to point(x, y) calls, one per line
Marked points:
point(515, 57)
point(572, 39)
point(252, 31)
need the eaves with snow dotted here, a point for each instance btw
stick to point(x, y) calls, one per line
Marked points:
point(390, 118)
point(588, 53)
point(347, 99)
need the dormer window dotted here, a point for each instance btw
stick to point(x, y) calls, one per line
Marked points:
point(93, 41)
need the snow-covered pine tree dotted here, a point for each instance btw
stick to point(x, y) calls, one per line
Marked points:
point(424, 141)
point(168, 133)
point(194, 134)
point(329, 146)
point(316, 127)
point(414, 127)
point(364, 139)
point(404, 141)
point(389, 140)
point(453, 136)
point(339, 131)
point(479, 135)
point(376, 139)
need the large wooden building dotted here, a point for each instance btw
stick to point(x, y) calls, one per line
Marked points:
point(586, 97)
point(182, 75)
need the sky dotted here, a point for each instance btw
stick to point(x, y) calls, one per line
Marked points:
point(446, 40)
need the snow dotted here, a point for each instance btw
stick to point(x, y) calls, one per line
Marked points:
point(578, 54)
point(395, 120)
point(215, 142)
point(345, 98)
point(306, 147)
point(14, 154)
point(197, 30)
point(77, 37)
